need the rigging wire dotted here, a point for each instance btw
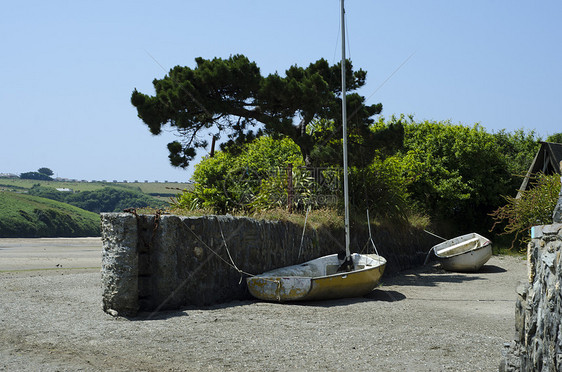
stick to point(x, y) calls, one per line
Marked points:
point(382, 84)
point(303, 231)
point(435, 235)
point(347, 38)
point(182, 284)
point(370, 235)
point(391, 75)
point(337, 42)
point(203, 108)
point(233, 264)
point(185, 90)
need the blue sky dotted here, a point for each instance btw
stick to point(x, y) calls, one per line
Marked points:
point(69, 67)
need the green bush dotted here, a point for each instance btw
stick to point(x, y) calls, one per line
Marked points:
point(534, 207)
point(380, 188)
point(273, 191)
point(228, 182)
point(455, 172)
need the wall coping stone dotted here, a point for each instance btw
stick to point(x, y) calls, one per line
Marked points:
point(539, 231)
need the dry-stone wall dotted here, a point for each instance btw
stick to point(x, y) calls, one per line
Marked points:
point(163, 262)
point(538, 310)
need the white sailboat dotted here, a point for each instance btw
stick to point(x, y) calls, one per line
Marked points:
point(329, 276)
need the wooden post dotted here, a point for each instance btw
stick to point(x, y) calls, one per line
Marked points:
point(290, 187)
point(213, 146)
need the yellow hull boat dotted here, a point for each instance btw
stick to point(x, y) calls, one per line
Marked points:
point(324, 277)
point(319, 279)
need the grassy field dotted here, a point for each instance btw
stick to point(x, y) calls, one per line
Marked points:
point(160, 190)
point(24, 215)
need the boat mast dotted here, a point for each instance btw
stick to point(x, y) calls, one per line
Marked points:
point(344, 123)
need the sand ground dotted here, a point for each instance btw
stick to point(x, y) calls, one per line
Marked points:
point(420, 320)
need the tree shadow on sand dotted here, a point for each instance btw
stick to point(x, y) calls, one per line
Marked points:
point(431, 276)
point(385, 295)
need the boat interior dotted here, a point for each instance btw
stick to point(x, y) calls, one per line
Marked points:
point(323, 266)
point(465, 246)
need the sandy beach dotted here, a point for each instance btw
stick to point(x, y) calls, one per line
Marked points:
point(420, 320)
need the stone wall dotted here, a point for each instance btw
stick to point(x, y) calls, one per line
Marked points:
point(538, 311)
point(153, 263)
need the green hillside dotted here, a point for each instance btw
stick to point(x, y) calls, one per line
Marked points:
point(23, 216)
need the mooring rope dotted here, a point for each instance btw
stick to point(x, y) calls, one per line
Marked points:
point(431, 250)
point(231, 264)
point(226, 246)
point(179, 287)
point(435, 235)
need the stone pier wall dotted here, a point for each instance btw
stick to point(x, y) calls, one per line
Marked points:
point(538, 311)
point(153, 263)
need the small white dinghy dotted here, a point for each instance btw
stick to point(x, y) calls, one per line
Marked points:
point(466, 253)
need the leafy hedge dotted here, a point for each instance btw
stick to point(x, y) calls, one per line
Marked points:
point(452, 173)
point(108, 199)
point(230, 182)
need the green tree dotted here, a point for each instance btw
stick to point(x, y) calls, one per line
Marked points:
point(378, 139)
point(46, 171)
point(556, 138)
point(380, 187)
point(35, 176)
point(230, 97)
